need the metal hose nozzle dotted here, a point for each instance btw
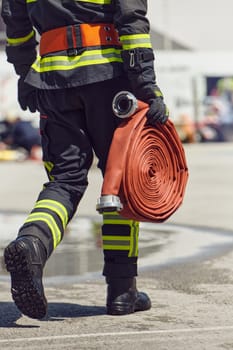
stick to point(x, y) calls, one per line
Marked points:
point(108, 203)
point(124, 104)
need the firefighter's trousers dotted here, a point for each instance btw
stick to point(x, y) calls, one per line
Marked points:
point(74, 123)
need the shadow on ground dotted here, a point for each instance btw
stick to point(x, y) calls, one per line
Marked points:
point(9, 314)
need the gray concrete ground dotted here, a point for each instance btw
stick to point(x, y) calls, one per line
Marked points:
point(192, 298)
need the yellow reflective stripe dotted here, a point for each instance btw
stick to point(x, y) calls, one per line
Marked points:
point(158, 93)
point(115, 247)
point(21, 40)
point(29, 1)
point(135, 37)
point(101, 2)
point(116, 242)
point(49, 166)
point(49, 220)
point(135, 46)
point(113, 218)
point(116, 238)
point(133, 41)
point(90, 57)
point(55, 206)
point(118, 222)
point(134, 239)
point(111, 242)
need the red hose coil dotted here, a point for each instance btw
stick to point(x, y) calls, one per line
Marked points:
point(146, 168)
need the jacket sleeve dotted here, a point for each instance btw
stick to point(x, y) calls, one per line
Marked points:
point(21, 38)
point(137, 53)
point(132, 24)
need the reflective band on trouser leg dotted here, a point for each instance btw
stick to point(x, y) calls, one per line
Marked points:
point(48, 167)
point(53, 214)
point(120, 245)
point(127, 242)
point(101, 2)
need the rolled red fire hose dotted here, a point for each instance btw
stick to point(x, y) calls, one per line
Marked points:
point(146, 168)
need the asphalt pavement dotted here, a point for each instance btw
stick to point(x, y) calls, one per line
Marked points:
point(189, 276)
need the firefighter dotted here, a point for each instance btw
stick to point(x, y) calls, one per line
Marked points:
point(88, 51)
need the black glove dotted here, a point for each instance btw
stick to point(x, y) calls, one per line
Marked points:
point(158, 112)
point(139, 66)
point(27, 96)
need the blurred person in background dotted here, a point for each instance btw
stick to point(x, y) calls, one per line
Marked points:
point(89, 51)
point(16, 133)
point(225, 94)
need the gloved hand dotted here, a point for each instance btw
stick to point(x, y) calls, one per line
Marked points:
point(138, 64)
point(158, 112)
point(27, 96)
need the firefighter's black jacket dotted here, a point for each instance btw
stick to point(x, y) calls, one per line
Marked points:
point(26, 20)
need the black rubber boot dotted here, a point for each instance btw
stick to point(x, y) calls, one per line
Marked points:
point(25, 258)
point(123, 297)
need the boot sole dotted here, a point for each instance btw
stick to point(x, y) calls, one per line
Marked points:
point(27, 295)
